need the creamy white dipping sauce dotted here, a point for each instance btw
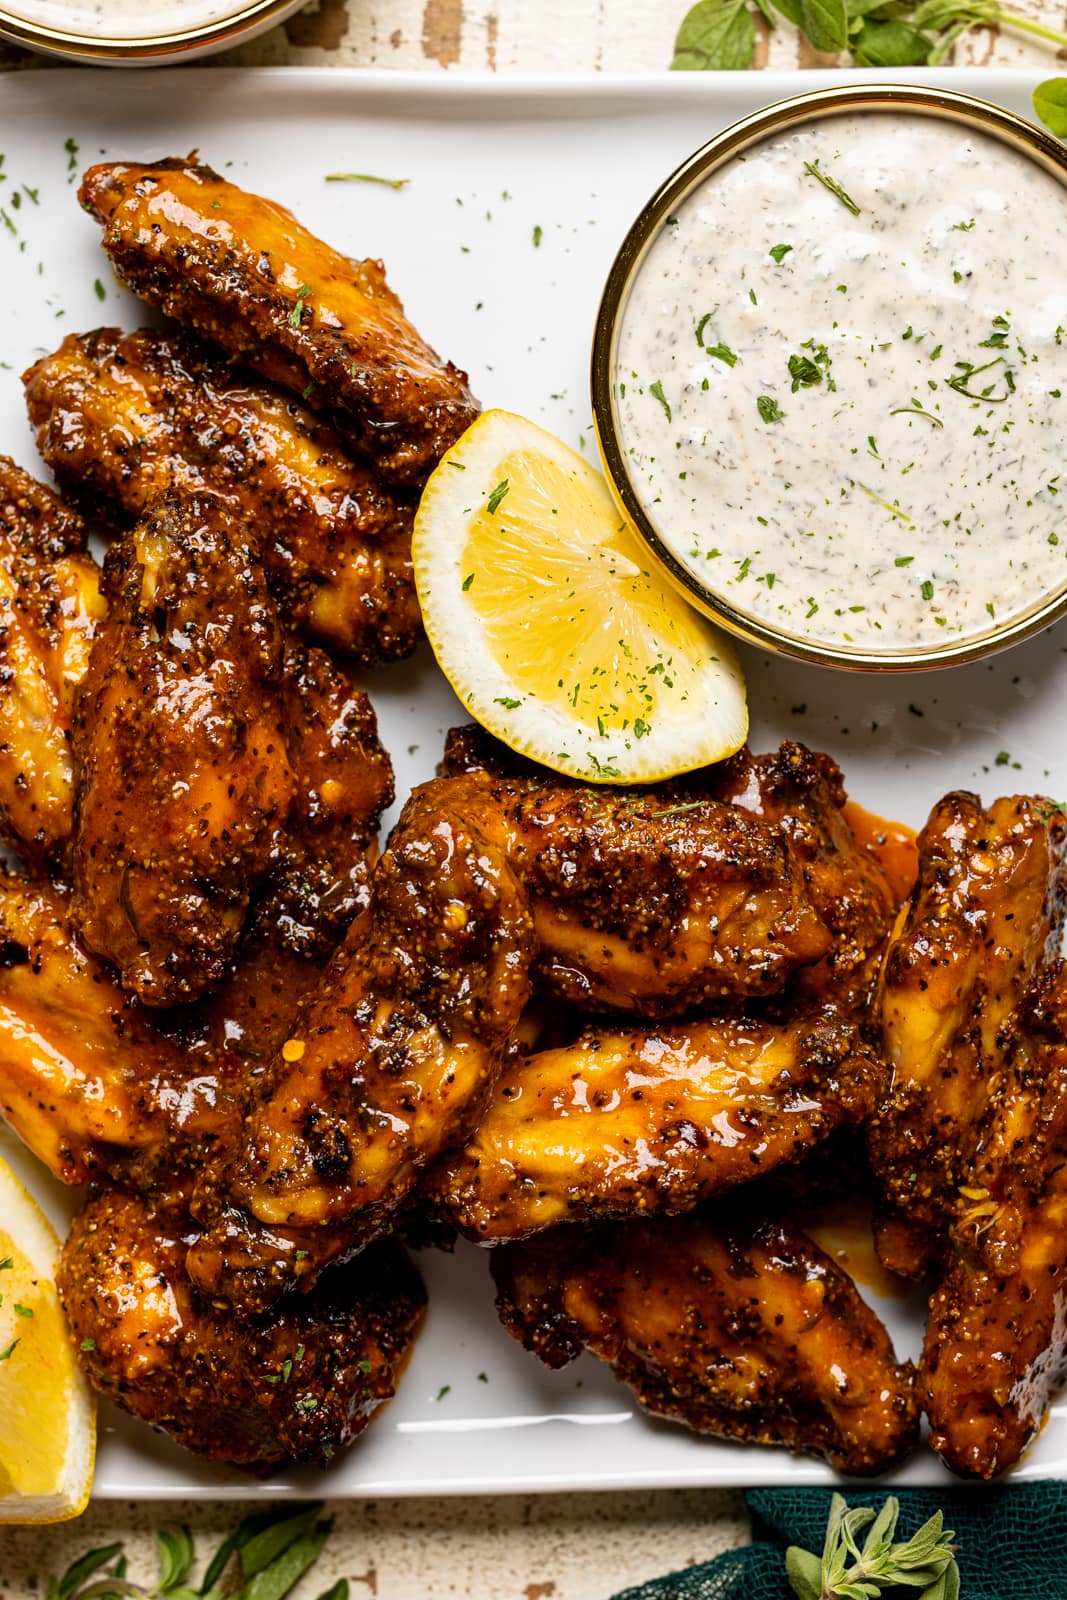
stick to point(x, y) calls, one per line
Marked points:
point(853, 425)
point(122, 19)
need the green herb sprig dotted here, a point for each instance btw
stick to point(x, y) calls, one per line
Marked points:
point(365, 177)
point(718, 35)
point(813, 169)
point(925, 1564)
point(263, 1558)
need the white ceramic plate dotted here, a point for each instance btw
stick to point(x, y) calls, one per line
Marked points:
point(490, 161)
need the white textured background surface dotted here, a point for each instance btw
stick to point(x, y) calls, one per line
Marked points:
point(522, 1547)
point(574, 1547)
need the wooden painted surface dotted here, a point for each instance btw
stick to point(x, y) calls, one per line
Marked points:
point(550, 36)
point(545, 36)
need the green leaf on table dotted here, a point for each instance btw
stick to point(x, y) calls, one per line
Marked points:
point(80, 1571)
point(848, 1571)
point(176, 1557)
point(947, 43)
point(268, 1543)
point(858, 9)
point(790, 10)
point(339, 1591)
point(946, 1587)
point(768, 12)
point(937, 14)
point(236, 1540)
point(715, 36)
point(804, 1571)
point(275, 1581)
point(826, 24)
point(890, 44)
point(1050, 103)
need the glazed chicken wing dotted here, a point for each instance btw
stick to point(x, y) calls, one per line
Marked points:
point(296, 1385)
point(986, 915)
point(651, 908)
point(970, 1146)
point(342, 782)
point(132, 417)
point(996, 1343)
point(389, 1062)
point(394, 1061)
point(50, 604)
point(802, 793)
point(180, 748)
point(742, 1330)
point(634, 1123)
point(754, 859)
point(243, 272)
point(86, 1081)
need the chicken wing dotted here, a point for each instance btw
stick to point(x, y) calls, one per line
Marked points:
point(609, 906)
point(86, 1081)
point(243, 272)
point(740, 1329)
point(996, 1343)
point(297, 1385)
point(180, 749)
point(653, 908)
point(130, 418)
point(987, 913)
point(803, 794)
point(388, 1064)
point(393, 1063)
point(50, 604)
point(342, 781)
point(634, 1123)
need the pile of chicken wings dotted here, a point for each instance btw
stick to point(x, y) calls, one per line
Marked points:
point(622, 1036)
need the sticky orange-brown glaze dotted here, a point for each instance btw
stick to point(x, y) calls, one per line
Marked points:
point(246, 274)
point(740, 1328)
point(86, 1081)
point(184, 779)
point(996, 1342)
point(634, 1123)
point(298, 1385)
point(389, 1061)
point(342, 782)
point(801, 793)
point(128, 417)
point(844, 1230)
point(985, 919)
point(892, 844)
point(50, 606)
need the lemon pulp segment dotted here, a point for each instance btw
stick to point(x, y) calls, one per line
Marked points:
point(550, 623)
point(566, 604)
point(34, 1378)
point(47, 1413)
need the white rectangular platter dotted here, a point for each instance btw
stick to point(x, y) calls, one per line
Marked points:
point(489, 162)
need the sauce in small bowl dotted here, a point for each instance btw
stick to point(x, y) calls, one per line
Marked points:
point(137, 32)
point(830, 378)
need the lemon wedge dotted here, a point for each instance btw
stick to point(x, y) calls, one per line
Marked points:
point(548, 620)
point(47, 1413)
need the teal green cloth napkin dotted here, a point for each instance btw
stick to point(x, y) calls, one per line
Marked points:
point(1012, 1542)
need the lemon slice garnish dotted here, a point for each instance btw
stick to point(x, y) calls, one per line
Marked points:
point(550, 623)
point(47, 1413)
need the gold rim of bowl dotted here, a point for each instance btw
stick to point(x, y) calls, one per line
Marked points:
point(141, 47)
point(943, 104)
